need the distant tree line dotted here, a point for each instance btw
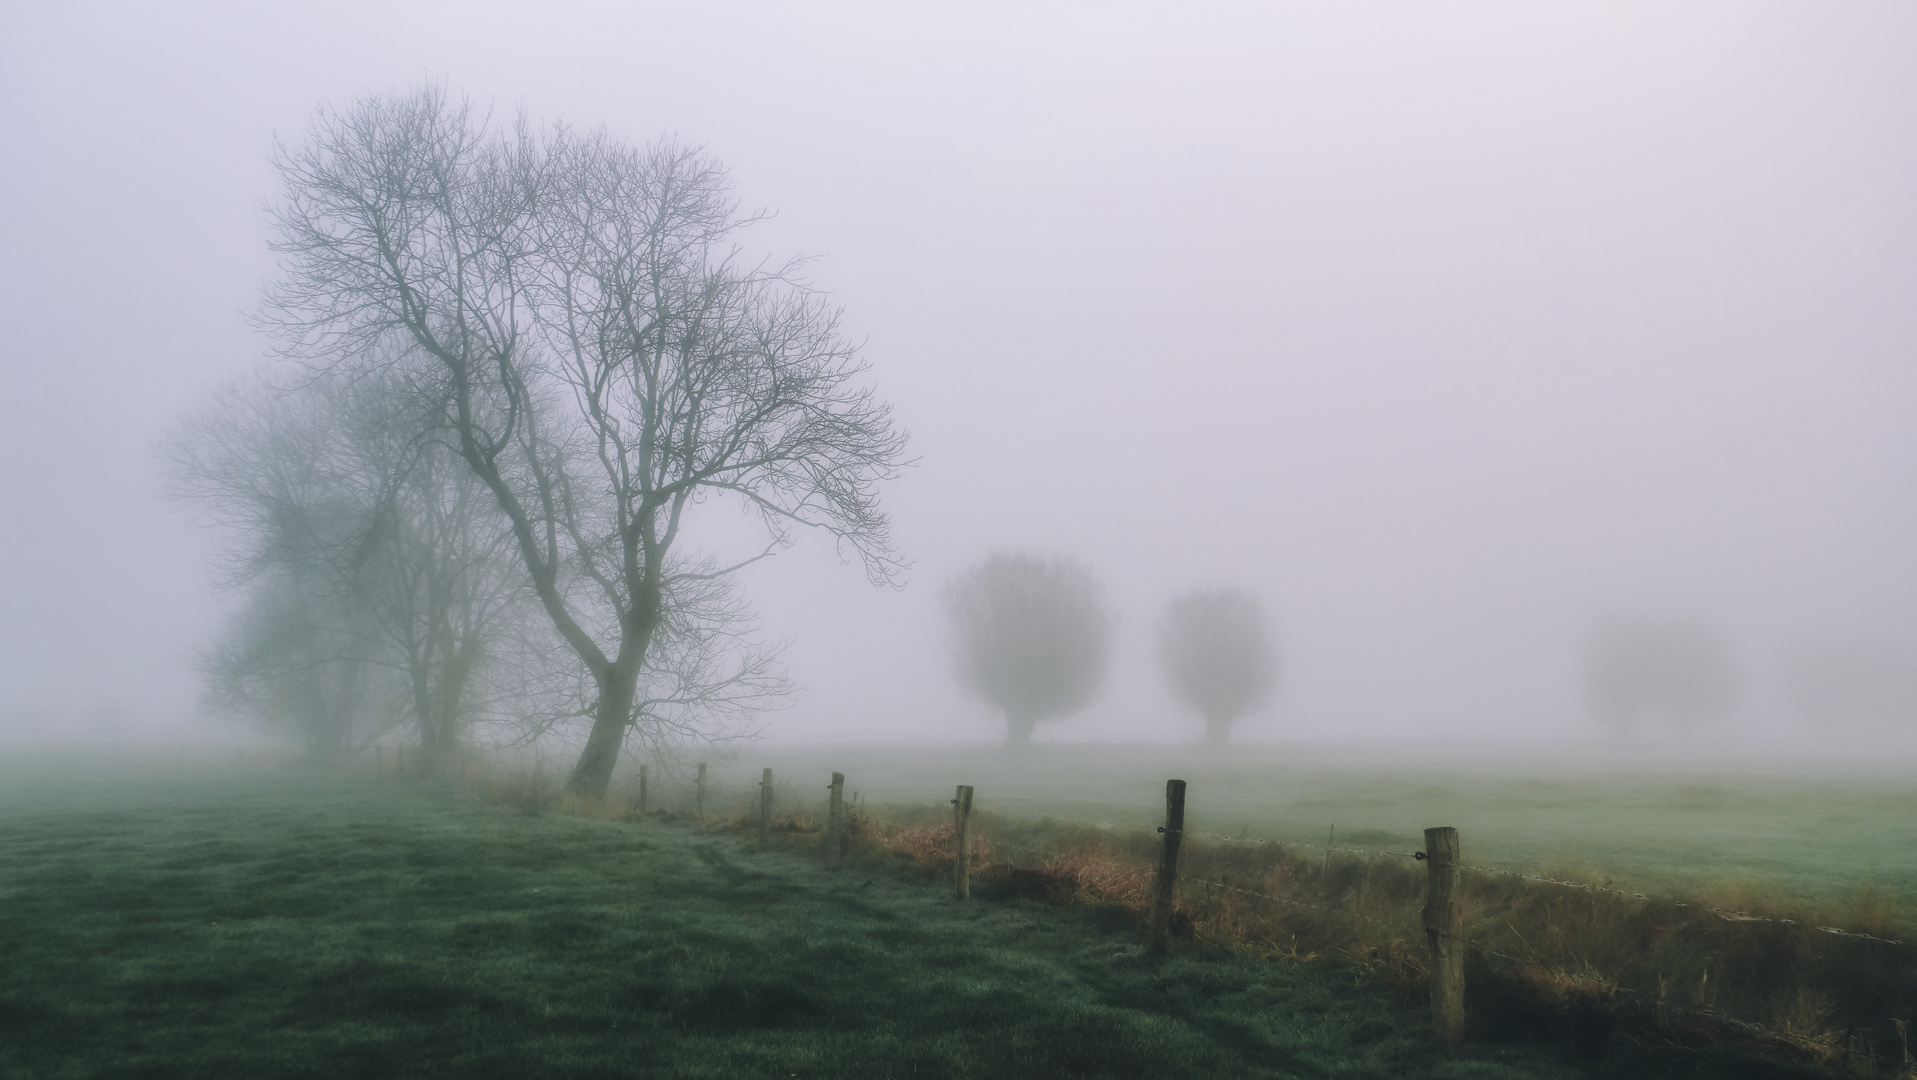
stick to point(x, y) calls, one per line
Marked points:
point(519, 357)
point(1682, 674)
point(1033, 638)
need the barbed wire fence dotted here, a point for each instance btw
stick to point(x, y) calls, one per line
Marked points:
point(1067, 862)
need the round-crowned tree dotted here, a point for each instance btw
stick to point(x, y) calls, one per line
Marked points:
point(1034, 637)
point(1218, 655)
point(1681, 672)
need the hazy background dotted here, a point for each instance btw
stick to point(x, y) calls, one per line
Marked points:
point(1442, 328)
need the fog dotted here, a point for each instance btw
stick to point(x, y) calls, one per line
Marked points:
point(1444, 331)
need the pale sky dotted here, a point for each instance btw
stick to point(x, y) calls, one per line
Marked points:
point(1442, 328)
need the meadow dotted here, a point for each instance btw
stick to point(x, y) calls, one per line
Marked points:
point(1674, 821)
point(267, 920)
point(1754, 902)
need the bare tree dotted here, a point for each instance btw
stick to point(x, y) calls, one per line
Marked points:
point(361, 547)
point(1681, 672)
point(1218, 656)
point(301, 652)
point(1034, 637)
point(433, 564)
point(290, 658)
point(602, 356)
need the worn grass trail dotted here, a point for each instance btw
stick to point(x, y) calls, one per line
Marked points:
point(295, 925)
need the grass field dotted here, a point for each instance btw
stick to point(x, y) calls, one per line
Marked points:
point(271, 922)
point(1795, 833)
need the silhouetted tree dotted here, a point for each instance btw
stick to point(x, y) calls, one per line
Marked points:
point(291, 658)
point(1679, 671)
point(362, 541)
point(600, 356)
point(1218, 656)
point(1033, 637)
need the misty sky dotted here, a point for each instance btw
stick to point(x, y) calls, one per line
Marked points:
point(1442, 327)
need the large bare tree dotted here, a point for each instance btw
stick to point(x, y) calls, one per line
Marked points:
point(1218, 656)
point(1034, 637)
point(603, 356)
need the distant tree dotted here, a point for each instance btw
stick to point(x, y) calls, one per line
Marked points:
point(1034, 637)
point(1218, 656)
point(1846, 684)
point(1681, 672)
point(292, 659)
point(365, 548)
point(599, 353)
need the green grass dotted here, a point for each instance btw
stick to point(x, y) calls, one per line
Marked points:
point(1675, 822)
point(280, 924)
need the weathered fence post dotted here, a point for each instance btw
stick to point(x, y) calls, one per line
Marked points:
point(835, 823)
point(765, 809)
point(699, 797)
point(1167, 888)
point(1444, 932)
point(379, 761)
point(962, 842)
point(642, 791)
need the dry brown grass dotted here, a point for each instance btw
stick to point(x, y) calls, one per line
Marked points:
point(1591, 961)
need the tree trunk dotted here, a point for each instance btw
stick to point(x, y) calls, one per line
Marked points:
point(1018, 730)
point(448, 698)
point(1218, 730)
point(593, 774)
point(423, 708)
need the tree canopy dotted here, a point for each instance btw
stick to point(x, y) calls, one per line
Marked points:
point(1034, 637)
point(1216, 649)
point(575, 316)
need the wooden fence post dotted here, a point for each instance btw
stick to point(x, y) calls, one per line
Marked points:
point(835, 823)
point(765, 809)
point(1167, 888)
point(699, 797)
point(962, 842)
point(1444, 932)
point(379, 761)
point(642, 790)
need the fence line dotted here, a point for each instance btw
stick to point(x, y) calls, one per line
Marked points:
point(1532, 961)
point(1109, 826)
point(1660, 1004)
point(1723, 913)
point(1304, 844)
point(1400, 927)
point(993, 845)
point(1344, 912)
point(1655, 1002)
